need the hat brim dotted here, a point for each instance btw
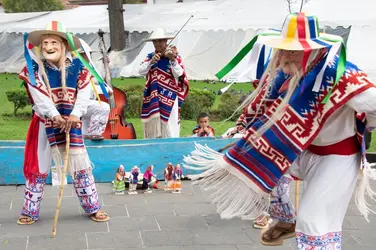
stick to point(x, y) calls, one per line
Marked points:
point(278, 42)
point(158, 38)
point(34, 38)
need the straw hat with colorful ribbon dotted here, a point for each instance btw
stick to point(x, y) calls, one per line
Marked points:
point(52, 28)
point(299, 32)
point(32, 41)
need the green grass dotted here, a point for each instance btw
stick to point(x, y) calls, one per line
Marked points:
point(12, 128)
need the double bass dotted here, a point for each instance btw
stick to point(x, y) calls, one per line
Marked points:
point(117, 127)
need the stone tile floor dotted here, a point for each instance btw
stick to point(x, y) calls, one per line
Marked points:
point(157, 221)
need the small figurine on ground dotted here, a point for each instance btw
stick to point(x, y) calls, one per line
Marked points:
point(168, 173)
point(119, 185)
point(133, 180)
point(148, 179)
point(178, 173)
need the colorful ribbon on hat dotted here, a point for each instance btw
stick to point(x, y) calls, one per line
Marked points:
point(88, 66)
point(341, 67)
point(242, 53)
point(29, 62)
point(246, 49)
point(235, 61)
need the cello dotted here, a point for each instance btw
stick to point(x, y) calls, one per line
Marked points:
point(117, 127)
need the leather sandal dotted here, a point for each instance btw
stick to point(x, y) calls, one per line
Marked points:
point(25, 220)
point(100, 216)
point(263, 223)
point(282, 232)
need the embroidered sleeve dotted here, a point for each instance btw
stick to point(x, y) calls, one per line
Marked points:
point(195, 131)
point(84, 92)
point(38, 95)
point(211, 132)
point(365, 103)
point(145, 65)
point(177, 67)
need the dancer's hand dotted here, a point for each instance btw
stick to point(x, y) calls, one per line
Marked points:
point(72, 122)
point(59, 122)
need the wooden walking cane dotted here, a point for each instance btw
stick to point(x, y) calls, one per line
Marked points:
point(297, 195)
point(67, 138)
point(227, 146)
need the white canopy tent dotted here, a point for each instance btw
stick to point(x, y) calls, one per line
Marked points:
point(218, 30)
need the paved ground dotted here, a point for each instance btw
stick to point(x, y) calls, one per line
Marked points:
point(158, 221)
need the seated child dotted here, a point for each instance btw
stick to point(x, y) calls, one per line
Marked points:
point(177, 179)
point(148, 182)
point(133, 180)
point(168, 172)
point(203, 128)
point(119, 184)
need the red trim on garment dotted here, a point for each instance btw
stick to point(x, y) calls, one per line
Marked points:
point(31, 161)
point(295, 178)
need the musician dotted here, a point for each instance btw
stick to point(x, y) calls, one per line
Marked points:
point(95, 120)
point(165, 90)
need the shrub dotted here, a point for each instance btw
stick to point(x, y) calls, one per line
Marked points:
point(228, 104)
point(134, 106)
point(133, 89)
point(19, 98)
point(196, 102)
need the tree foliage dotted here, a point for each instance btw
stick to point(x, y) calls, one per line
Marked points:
point(11, 6)
point(19, 98)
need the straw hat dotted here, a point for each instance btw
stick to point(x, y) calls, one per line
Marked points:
point(158, 34)
point(299, 32)
point(53, 28)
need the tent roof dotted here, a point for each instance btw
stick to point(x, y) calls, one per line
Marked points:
point(208, 15)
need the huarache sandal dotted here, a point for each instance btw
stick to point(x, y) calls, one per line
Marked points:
point(25, 220)
point(263, 223)
point(276, 235)
point(100, 216)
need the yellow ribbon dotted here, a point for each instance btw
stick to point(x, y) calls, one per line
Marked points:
point(95, 90)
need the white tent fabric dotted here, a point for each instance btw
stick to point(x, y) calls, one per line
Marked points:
point(16, 17)
point(218, 30)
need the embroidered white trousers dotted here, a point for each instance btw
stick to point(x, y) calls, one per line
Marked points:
point(95, 120)
point(281, 207)
point(328, 184)
point(84, 183)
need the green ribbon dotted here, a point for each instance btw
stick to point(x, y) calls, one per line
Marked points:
point(235, 61)
point(87, 65)
point(341, 67)
point(242, 53)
